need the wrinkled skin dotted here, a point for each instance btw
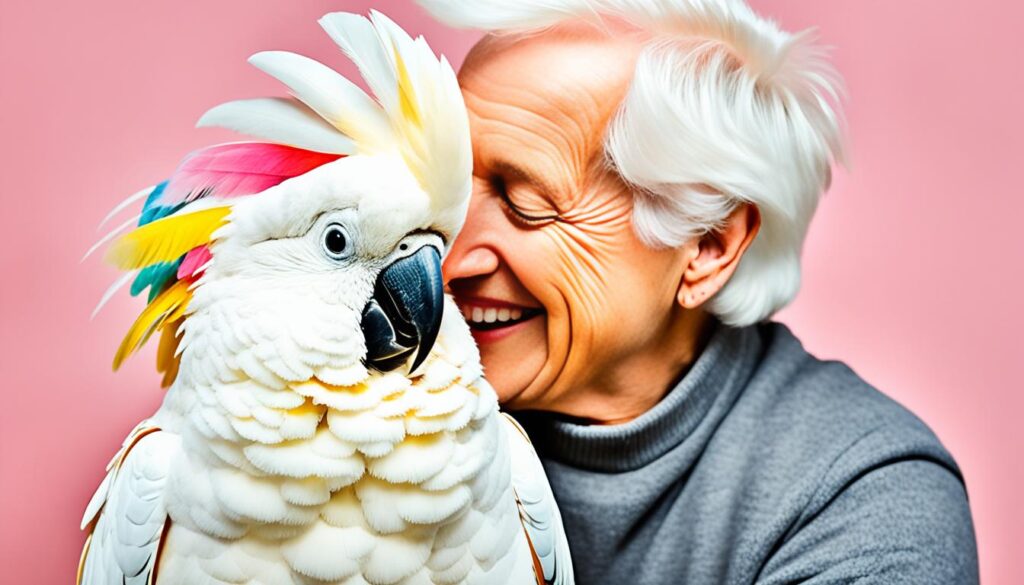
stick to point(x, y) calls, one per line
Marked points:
point(620, 321)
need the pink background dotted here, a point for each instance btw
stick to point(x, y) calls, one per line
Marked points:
point(913, 265)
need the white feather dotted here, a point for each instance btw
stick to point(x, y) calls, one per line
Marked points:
point(298, 460)
point(307, 554)
point(538, 508)
point(124, 204)
point(281, 120)
point(414, 460)
point(399, 556)
point(131, 221)
point(129, 509)
point(435, 143)
point(370, 52)
point(336, 99)
point(112, 290)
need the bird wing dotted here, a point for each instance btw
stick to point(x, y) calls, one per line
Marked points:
point(126, 518)
point(537, 510)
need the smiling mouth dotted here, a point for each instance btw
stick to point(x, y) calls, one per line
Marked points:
point(488, 317)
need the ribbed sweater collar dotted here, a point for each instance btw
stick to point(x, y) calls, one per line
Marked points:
point(689, 411)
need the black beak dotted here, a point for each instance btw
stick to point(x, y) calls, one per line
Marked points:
point(404, 314)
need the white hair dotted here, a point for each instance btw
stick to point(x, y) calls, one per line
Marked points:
point(724, 108)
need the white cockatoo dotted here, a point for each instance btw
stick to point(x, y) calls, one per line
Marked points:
point(326, 419)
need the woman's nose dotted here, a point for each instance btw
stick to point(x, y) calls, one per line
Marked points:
point(467, 262)
point(472, 254)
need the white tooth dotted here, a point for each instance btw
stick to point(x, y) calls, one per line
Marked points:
point(467, 313)
point(478, 314)
point(490, 315)
point(503, 314)
point(516, 313)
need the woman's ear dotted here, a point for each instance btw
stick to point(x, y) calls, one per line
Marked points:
point(715, 256)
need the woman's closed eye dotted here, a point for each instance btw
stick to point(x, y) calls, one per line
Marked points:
point(519, 212)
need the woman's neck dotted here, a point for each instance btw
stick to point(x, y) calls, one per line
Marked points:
point(631, 387)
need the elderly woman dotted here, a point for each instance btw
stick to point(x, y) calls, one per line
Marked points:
point(645, 172)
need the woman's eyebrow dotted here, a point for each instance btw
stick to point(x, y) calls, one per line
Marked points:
point(525, 175)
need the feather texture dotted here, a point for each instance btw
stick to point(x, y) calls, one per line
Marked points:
point(424, 92)
point(537, 508)
point(418, 112)
point(336, 99)
point(155, 277)
point(153, 209)
point(112, 234)
point(194, 262)
point(170, 243)
point(165, 240)
point(127, 516)
point(283, 120)
point(168, 306)
point(236, 169)
point(111, 291)
point(125, 204)
point(167, 357)
point(358, 38)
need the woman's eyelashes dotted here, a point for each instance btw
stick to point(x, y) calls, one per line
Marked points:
point(501, 190)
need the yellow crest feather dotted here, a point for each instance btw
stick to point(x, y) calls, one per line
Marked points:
point(406, 92)
point(167, 358)
point(165, 240)
point(166, 309)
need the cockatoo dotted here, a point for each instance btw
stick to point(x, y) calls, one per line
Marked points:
point(326, 419)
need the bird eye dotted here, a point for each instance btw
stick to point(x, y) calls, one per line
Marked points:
point(336, 243)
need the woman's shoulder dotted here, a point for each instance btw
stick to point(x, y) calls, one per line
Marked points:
point(815, 425)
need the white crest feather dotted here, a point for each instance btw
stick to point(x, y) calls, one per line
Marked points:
point(416, 111)
point(124, 204)
point(286, 120)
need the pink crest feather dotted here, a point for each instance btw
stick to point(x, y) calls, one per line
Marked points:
point(237, 169)
point(193, 262)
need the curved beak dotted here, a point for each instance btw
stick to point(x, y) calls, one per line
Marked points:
point(404, 314)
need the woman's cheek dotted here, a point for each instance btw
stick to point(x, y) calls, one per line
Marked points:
point(580, 315)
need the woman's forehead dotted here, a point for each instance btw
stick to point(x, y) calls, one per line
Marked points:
point(569, 54)
point(542, 102)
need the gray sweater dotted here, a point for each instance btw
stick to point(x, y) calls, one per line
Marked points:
point(762, 465)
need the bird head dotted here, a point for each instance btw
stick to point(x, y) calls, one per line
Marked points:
point(323, 245)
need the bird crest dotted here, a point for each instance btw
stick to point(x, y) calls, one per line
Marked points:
point(416, 112)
